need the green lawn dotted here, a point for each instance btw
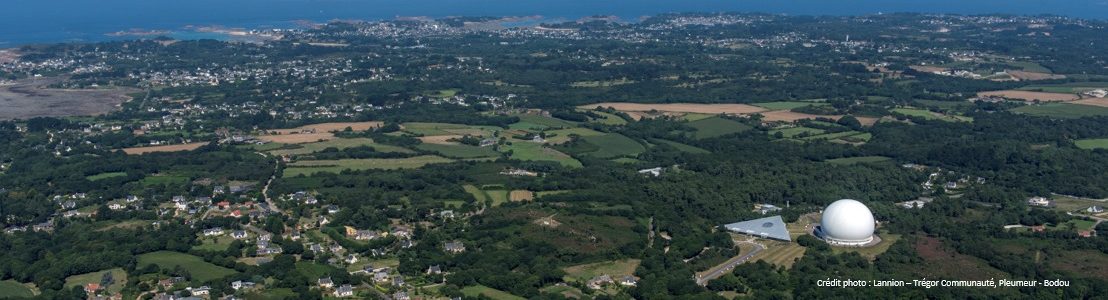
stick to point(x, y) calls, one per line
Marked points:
point(307, 167)
point(523, 150)
point(857, 160)
point(119, 277)
point(831, 136)
point(105, 176)
point(459, 151)
point(1090, 144)
point(785, 105)
point(495, 294)
point(490, 196)
point(716, 126)
point(12, 289)
point(613, 145)
point(338, 144)
point(1062, 110)
point(200, 270)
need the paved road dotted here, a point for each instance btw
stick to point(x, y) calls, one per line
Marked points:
point(730, 264)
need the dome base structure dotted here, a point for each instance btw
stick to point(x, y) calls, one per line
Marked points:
point(859, 243)
point(847, 223)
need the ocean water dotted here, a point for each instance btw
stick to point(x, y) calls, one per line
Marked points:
point(47, 21)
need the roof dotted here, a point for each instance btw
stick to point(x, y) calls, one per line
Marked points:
point(769, 227)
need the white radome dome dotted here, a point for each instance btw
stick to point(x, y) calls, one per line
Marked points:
point(847, 221)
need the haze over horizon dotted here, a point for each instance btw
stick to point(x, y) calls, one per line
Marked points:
point(26, 21)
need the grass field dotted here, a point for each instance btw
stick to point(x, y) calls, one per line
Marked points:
point(119, 276)
point(780, 253)
point(200, 270)
point(681, 147)
point(608, 119)
point(615, 268)
point(1069, 204)
point(12, 289)
point(613, 145)
point(1062, 110)
point(545, 121)
point(477, 193)
point(529, 151)
point(562, 135)
point(433, 129)
point(1069, 87)
point(926, 114)
point(785, 105)
point(441, 93)
point(338, 144)
point(495, 294)
point(307, 167)
point(715, 126)
point(795, 131)
point(857, 160)
point(489, 196)
point(105, 176)
point(887, 240)
point(459, 151)
point(1090, 144)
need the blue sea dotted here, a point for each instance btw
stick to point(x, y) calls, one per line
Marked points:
point(48, 21)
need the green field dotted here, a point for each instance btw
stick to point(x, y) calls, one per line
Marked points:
point(105, 176)
point(1069, 87)
point(119, 276)
point(495, 294)
point(200, 270)
point(831, 136)
point(433, 129)
point(523, 150)
point(340, 144)
point(608, 119)
point(531, 122)
point(613, 145)
point(459, 151)
point(716, 126)
point(614, 268)
point(559, 136)
point(307, 167)
point(680, 146)
point(887, 240)
point(857, 160)
point(1090, 144)
point(795, 131)
point(441, 93)
point(12, 289)
point(492, 196)
point(1062, 110)
point(926, 114)
point(785, 105)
